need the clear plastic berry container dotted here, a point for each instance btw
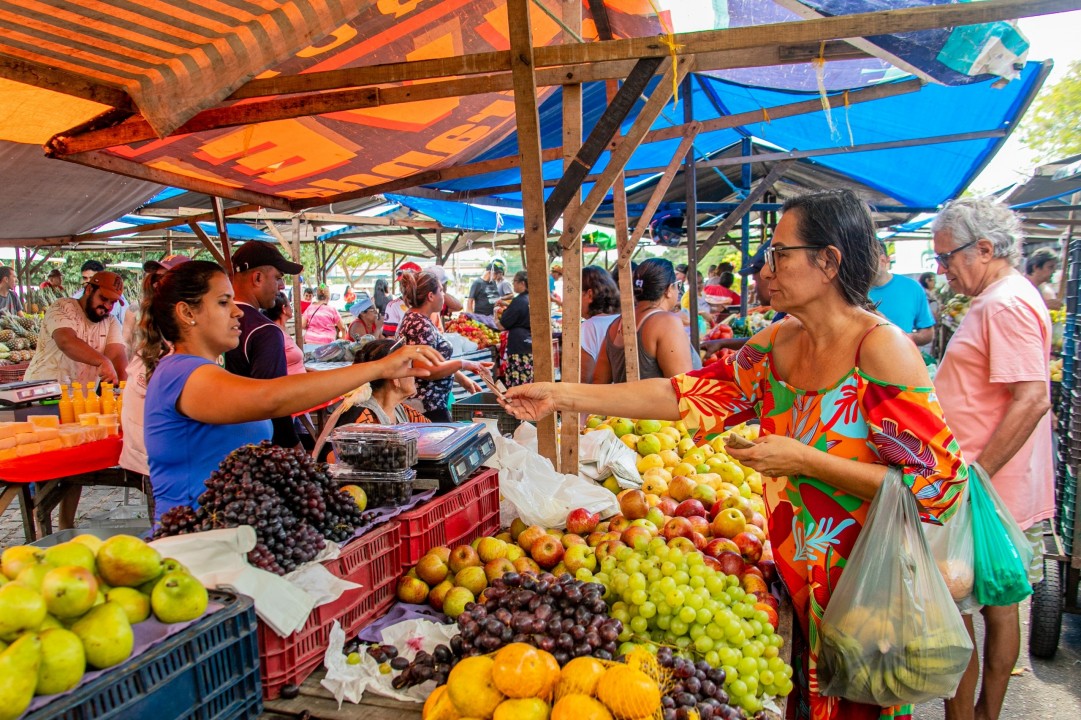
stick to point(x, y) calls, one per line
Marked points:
point(383, 489)
point(375, 448)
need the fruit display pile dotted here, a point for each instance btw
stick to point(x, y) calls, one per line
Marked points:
point(283, 494)
point(72, 606)
point(483, 336)
point(18, 338)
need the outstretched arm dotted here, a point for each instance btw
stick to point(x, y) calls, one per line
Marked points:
point(655, 399)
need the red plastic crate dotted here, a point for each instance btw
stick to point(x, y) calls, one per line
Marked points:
point(373, 561)
point(459, 517)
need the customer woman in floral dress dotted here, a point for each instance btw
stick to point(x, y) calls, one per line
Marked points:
point(841, 396)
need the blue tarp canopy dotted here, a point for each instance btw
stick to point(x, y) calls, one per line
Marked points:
point(460, 215)
point(237, 231)
point(917, 176)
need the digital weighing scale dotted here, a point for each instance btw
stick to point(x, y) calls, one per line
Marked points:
point(18, 394)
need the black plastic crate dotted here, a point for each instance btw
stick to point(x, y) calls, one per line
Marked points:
point(208, 671)
point(484, 404)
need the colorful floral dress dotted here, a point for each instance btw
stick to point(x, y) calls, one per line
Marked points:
point(417, 329)
point(812, 525)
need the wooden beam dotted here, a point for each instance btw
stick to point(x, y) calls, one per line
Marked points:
point(136, 129)
point(313, 218)
point(571, 365)
point(420, 236)
point(210, 246)
point(629, 326)
point(536, 235)
point(599, 137)
point(743, 208)
point(664, 182)
point(618, 158)
point(51, 78)
point(294, 255)
point(690, 198)
point(129, 168)
point(732, 39)
point(223, 233)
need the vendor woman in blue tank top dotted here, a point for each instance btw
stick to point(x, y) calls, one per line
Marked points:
point(197, 413)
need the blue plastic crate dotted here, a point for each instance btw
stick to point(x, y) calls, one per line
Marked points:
point(209, 671)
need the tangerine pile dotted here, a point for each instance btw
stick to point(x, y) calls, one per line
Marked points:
point(521, 682)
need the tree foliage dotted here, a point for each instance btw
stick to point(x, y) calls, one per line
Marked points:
point(358, 262)
point(1052, 127)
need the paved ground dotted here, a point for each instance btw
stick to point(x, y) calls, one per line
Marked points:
point(1042, 689)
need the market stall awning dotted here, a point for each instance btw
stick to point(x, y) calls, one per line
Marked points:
point(462, 216)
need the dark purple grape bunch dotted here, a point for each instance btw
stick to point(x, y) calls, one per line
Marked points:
point(696, 688)
point(425, 666)
point(563, 616)
point(179, 520)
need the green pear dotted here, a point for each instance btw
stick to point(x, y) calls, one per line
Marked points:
point(106, 635)
point(136, 605)
point(63, 661)
point(91, 541)
point(70, 553)
point(125, 560)
point(19, 675)
point(69, 591)
point(33, 575)
point(22, 609)
point(14, 559)
point(50, 622)
point(179, 597)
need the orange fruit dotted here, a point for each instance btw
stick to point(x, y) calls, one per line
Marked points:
point(628, 693)
point(580, 676)
point(438, 706)
point(579, 707)
point(522, 709)
point(471, 688)
point(553, 674)
point(519, 671)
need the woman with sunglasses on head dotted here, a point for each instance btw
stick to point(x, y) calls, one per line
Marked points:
point(841, 395)
point(663, 348)
point(196, 412)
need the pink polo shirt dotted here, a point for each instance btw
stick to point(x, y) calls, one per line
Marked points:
point(1005, 338)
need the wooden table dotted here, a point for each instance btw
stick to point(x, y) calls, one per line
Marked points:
point(319, 704)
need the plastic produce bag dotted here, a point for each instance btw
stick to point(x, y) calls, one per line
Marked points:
point(892, 634)
point(601, 454)
point(1002, 552)
point(953, 548)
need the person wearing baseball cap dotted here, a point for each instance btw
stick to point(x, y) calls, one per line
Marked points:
point(88, 270)
point(259, 270)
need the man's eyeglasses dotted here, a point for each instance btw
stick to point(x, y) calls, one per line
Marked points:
point(771, 253)
point(943, 259)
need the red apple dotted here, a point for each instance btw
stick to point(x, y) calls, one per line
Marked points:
point(619, 523)
point(547, 552)
point(516, 528)
point(412, 590)
point(602, 526)
point(440, 551)
point(497, 568)
point(683, 544)
point(753, 570)
point(699, 524)
point(636, 536)
point(750, 547)
point(728, 523)
point(715, 510)
point(690, 507)
point(677, 527)
point(719, 545)
point(711, 562)
point(768, 568)
point(579, 556)
point(438, 593)
point(731, 563)
point(526, 565)
point(582, 521)
point(772, 601)
point(596, 538)
point(572, 539)
point(633, 504)
point(667, 506)
point(700, 541)
point(431, 569)
point(607, 548)
point(756, 531)
point(758, 520)
point(462, 557)
point(771, 613)
point(681, 487)
point(754, 584)
point(530, 535)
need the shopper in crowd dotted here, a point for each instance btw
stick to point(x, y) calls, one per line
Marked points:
point(753, 271)
point(555, 283)
point(515, 320)
point(9, 301)
point(349, 298)
point(397, 307)
point(721, 292)
point(681, 279)
point(451, 304)
point(308, 299)
point(322, 323)
point(380, 296)
point(367, 322)
point(713, 276)
point(840, 395)
point(133, 451)
point(485, 291)
point(89, 269)
point(993, 384)
point(259, 270)
point(1039, 268)
point(54, 282)
point(81, 342)
point(189, 430)
point(663, 348)
point(424, 295)
point(600, 306)
point(901, 300)
point(280, 313)
point(386, 406)
point(705, 309)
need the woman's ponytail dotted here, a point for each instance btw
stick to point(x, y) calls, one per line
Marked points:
point(158, 329)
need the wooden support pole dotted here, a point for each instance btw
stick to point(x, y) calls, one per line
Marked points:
point(571, 370)
point(223, 233)
point(536, 235)
point(294, 254)
point(617, 161)
point(743, 208)
point(211, 247)
point(628, 325)
point(690, 192)
point(663, 183)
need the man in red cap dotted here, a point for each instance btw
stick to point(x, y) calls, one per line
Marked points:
point(80, 340)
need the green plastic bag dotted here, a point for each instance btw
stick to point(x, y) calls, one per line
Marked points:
point(1002, 553)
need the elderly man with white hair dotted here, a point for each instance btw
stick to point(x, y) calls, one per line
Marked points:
point(993, 386)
